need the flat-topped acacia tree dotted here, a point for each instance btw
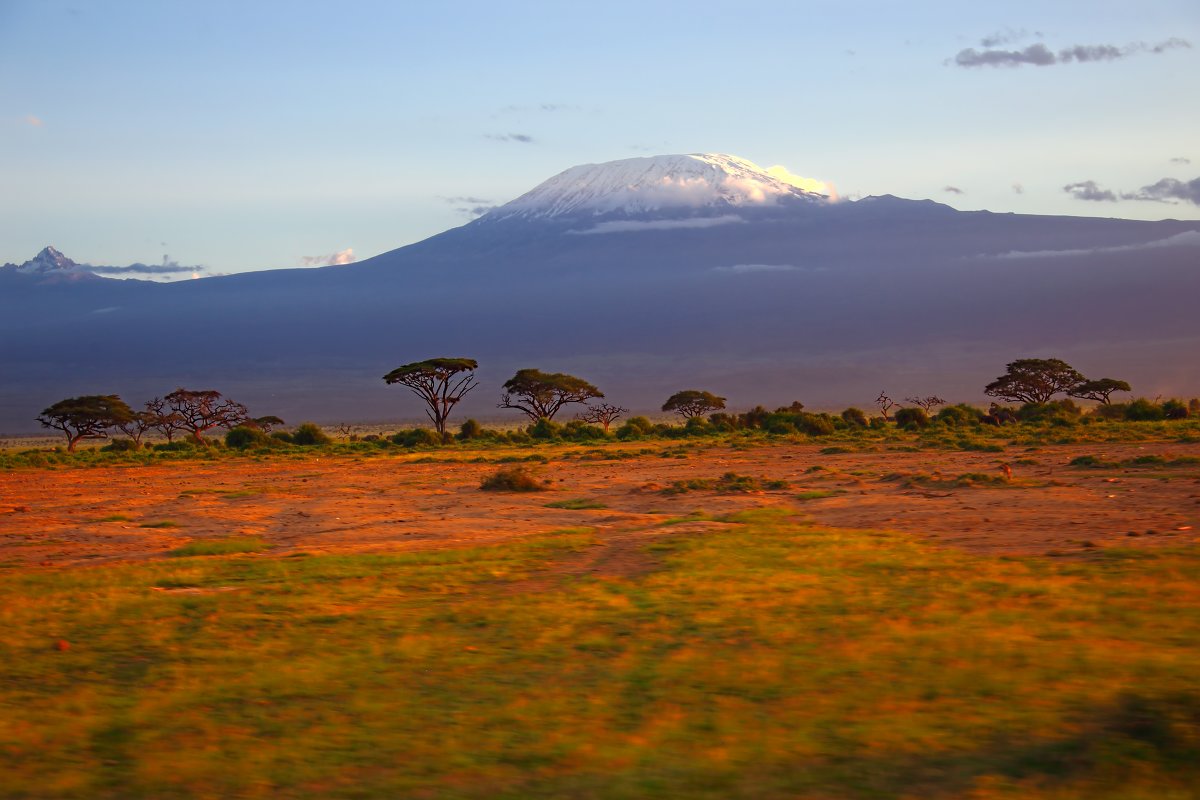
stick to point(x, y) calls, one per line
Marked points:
point(693, 403)
point(86, 417)
point(540, 395)
point(440, 382)
point(1034, 380)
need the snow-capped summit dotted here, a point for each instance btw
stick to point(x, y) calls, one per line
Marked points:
point(48, 261)
point(692, 183)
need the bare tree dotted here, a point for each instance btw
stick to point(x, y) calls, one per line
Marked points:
point(601, 414)
point(927, 404)
point(137, 425)
point(202, 410)
point(440, 382)
point(886, 404)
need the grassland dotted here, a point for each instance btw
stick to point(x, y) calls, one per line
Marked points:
point(889, 617)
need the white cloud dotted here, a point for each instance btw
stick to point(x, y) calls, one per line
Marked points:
point(781, 173)
point(333, 259)
point(625, 226)
point(1185, 239)
point(742, 269)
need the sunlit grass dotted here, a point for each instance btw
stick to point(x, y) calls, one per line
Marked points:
point(762, 658)
point(221, 547)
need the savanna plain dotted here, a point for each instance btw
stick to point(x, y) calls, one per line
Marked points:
point(1012, 612)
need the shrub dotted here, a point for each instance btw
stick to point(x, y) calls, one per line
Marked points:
point(855, 417)
point(580, 431)
point(129, 445)
point(1053, 411)
point(177, 445)
point(754, 418)
point(1194, 406)
point(511, 479)
point(309, 434)
point(877, 423)
point(417, 437)
point(545, 429)
point(725, 423)
point(1142, 410)
point(471, 429)
point(242, 437)
point(961, 414)
point(635, 428)
point(1110, 411)
point(911, 418)
point(1172, 409)
point(815, 424)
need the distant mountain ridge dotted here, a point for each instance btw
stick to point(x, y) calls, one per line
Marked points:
point(732, 279)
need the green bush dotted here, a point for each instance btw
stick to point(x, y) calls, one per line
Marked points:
point(878, 423)
point(177, 445)
point(855, 417)
point(912, 418)
point(1175, 409)
point(309, 434)
point(545, 429)
point(579, 431)
point(1142, 410)
point(722, 422)
point(1110, 411)
point(635, 428)
point(471, 429)
point(1054, 411)
point(961, 414)
point(242, 437)
point(417, 437)
point(128, 446)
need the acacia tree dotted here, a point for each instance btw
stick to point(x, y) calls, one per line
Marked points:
point(1099, 390)
point(601, 414)
point(202, 410)
point(86, 417)
point(693, 403)
point(265, 424)
point(1034, 380)
point(166, 421)
point(440, 382)
point(136, 426)
point(540, 395)
point(927, 404)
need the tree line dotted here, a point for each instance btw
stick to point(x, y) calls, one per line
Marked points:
point(442, 383)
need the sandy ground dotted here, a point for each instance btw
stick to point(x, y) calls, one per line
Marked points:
point(56, 518)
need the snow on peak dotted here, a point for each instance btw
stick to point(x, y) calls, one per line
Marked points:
point(660, 183)
point(47, 261)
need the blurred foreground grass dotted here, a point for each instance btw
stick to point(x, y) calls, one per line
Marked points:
point(763, 659)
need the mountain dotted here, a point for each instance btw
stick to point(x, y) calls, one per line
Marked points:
point(50, 265)
point(646, 276)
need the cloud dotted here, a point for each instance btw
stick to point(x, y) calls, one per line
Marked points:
point(742, 269)
point(1168, 190)
point(1041, 56)
point(547, 108)
point(1185, 239)
point(472, 206)
point(1006, 36)
point(332, 260)
point(952, 190)
point(1018, 188)
point(625, 226)
point(1181, 160)
point(32, 121)
point(800, 182)
point(523, 138)
point(1089, 190)
point(167, 267)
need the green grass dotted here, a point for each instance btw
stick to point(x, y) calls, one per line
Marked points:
point(163, 523)
point(577, 504)
point(763, 659)
point(221, 547)
point(115, 518)
point(729, 483)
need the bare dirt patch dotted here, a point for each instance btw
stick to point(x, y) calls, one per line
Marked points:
point(324, 504)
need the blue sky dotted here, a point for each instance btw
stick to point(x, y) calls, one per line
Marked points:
point(244, 136)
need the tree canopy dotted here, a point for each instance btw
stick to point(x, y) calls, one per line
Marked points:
point(86, 417)
point(693, 403)
point(540, 395)
point(1099, 390)
point(202, 410)
point(440, 382)
point(1034, 380)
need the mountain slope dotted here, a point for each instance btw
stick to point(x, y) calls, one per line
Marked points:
point(793, 296)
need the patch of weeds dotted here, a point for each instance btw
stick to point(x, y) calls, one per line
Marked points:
point(115, 518)
point(576, 504)
point(511, 479)
point(1092, 462)
point(835, 450)
point(965, 481)
point(814, 494)
point(221, 547)
point(163, 523)
point(730, 482)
